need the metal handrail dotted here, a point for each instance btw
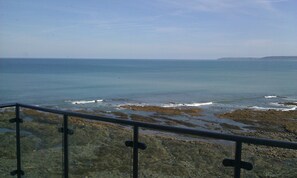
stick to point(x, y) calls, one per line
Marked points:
point(238, 164)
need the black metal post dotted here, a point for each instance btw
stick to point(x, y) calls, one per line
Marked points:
point(135, 152)
point(17, 120)
point(65, 145)
point(237, 165)
point(18, 141)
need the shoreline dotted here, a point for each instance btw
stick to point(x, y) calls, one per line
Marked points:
point(227, 121)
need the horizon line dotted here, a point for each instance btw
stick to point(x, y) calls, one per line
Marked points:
point(100, 58)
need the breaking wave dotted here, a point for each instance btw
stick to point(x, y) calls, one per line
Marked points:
point(270, 96)
point(277, 109)
point(186, 104)
point(170, 105)
point(86, 101)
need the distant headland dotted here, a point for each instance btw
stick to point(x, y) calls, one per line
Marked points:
point(266, 58)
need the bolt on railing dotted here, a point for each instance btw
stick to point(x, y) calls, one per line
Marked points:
point(236, 163)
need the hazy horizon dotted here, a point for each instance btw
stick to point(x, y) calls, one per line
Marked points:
point(82, 58)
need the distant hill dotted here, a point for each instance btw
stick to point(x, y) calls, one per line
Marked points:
point(279, 58)
point(267, 58)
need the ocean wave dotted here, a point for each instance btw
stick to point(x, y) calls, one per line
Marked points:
point(132, 104)
point(290, 109)
point(186, 104)
point(270, 96)
point(288, 104)
point(170, 105)
point(269, 108)
point(86, 101)
point(277, 104)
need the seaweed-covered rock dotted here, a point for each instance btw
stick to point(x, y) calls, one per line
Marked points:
point(164, 110)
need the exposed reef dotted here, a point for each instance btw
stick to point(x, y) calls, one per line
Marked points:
point(166, 110)
point(270, 123)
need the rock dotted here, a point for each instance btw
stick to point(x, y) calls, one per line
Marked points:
point(164, 110)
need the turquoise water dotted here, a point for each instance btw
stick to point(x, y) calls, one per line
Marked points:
point(229, 84)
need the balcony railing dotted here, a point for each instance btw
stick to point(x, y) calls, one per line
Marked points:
point(135, 144)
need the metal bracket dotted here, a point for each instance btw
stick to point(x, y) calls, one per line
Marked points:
point(15, 172)
point(13, 120)
point(69, 131)
point(141, 146)
point(231, 163)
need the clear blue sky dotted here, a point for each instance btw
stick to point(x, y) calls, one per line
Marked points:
point(178, 29)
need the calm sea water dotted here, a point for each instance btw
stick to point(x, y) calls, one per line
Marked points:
point(77, 83)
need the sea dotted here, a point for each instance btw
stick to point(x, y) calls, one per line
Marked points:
point(213, 85)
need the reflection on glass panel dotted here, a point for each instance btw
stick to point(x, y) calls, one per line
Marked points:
point(269, 161)
point(172, 155)
point(7, 142)
point(41, 144)
point(97, 149)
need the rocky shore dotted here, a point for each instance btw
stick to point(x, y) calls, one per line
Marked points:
point(97, 149)
point(275, 124)
point(165, 110)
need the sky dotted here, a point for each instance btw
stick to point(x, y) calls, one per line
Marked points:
point(147, 29)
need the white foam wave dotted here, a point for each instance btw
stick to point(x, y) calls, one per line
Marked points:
point(286, 105)
point(260, 108)
point(270, 96)
point(131, 104)
point(186, 104)
point(290, 109)
point(86, 101)
point(277, 109)
point(277, 104)
point(170, 105)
